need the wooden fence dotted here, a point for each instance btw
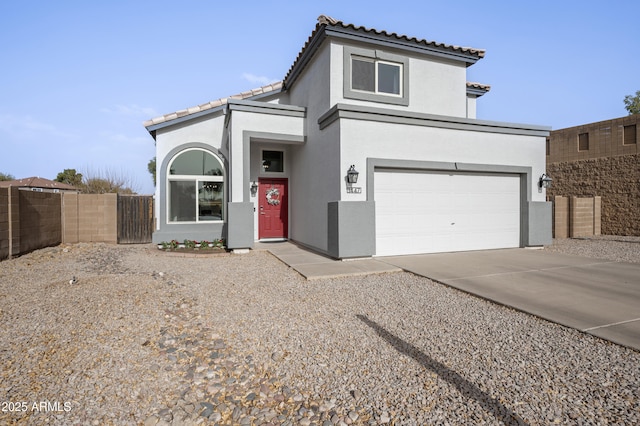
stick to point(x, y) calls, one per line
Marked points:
point(28, 221)
point(31, 220)
point(135, 219)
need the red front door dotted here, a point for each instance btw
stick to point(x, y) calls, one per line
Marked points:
point(273, 219)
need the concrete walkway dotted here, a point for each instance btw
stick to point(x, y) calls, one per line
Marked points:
point(598, 297)
point(312, 265)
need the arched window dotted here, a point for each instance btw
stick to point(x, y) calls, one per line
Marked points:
point(195, 187)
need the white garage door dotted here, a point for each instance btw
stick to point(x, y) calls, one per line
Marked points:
point(431, 212)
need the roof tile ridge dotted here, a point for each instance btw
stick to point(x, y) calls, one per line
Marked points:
point(271, 87)
point(476, 84)
point(327, 20)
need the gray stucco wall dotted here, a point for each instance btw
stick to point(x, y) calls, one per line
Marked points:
point(539, 224)
point(167, 231)
point(351, 229)
point(315, 167)
point(240, 222)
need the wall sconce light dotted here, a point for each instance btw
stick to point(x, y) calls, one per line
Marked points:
point(254, 188)
point(544, 182)
point(352, 174)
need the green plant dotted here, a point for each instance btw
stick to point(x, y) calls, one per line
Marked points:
point(632, 103)
point(192, 244)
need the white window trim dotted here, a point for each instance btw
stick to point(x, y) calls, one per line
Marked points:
point(197, 179)
point(376, 74)
point(375, 56)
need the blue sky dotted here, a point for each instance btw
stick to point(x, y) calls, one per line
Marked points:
point(78, 78)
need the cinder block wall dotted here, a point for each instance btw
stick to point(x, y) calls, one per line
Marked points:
point(97, 218)
point(581, 217)
point(14, 219)
point(606, 139)
point(615, 179)
point(576, 217)
point(4, 223)
point(70, 218)
point(39, 220)
point(561, 217)
point(42, 219)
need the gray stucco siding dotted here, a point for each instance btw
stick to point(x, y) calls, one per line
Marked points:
point(429, 86)
point(539, 222)
point(246, 124)
point(382, 115)
point(323, 127)
point(240, 225)
point(351, 229)
point(316, 174)
point(442, 145)
point(167, 231)
point(348, 92)
point(457, 149)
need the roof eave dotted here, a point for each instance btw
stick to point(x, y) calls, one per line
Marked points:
point(477, 89)
point(152, 126)
point(420, 46)
point(313, 44)
point(338, 30)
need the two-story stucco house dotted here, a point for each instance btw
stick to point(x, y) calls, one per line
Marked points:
point(278, 162)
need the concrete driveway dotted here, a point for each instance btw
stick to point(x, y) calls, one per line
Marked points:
point(599, 297)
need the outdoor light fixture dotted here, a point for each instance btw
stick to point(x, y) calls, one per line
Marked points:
point(254, 188)
point(544, 182)
point(352, 174)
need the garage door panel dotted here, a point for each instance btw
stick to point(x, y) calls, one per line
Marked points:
point(428, 212)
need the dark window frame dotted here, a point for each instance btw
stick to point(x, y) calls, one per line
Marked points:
point(272, 163)
point(583, 142)
point(629, 135)
point(376, 56)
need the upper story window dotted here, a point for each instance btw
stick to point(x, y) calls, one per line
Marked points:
point(376, 76)
point(373, 75)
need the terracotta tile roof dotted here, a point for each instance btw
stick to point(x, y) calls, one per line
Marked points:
point(37, 182)
point(327, 21)
point(479, 86)
point(274, 87)
point(323, 21)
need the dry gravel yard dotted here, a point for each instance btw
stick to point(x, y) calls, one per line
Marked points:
point(143, 337)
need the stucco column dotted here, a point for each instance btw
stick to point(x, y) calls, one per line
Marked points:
point(236, 163)
point(239, 209)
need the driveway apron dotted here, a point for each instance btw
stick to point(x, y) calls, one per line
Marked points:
point(598, 297)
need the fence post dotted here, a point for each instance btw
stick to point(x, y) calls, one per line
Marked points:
point(9, 209)
point(597, 215)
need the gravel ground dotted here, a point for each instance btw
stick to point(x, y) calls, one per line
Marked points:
point(609, 247)
point(143, 337)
